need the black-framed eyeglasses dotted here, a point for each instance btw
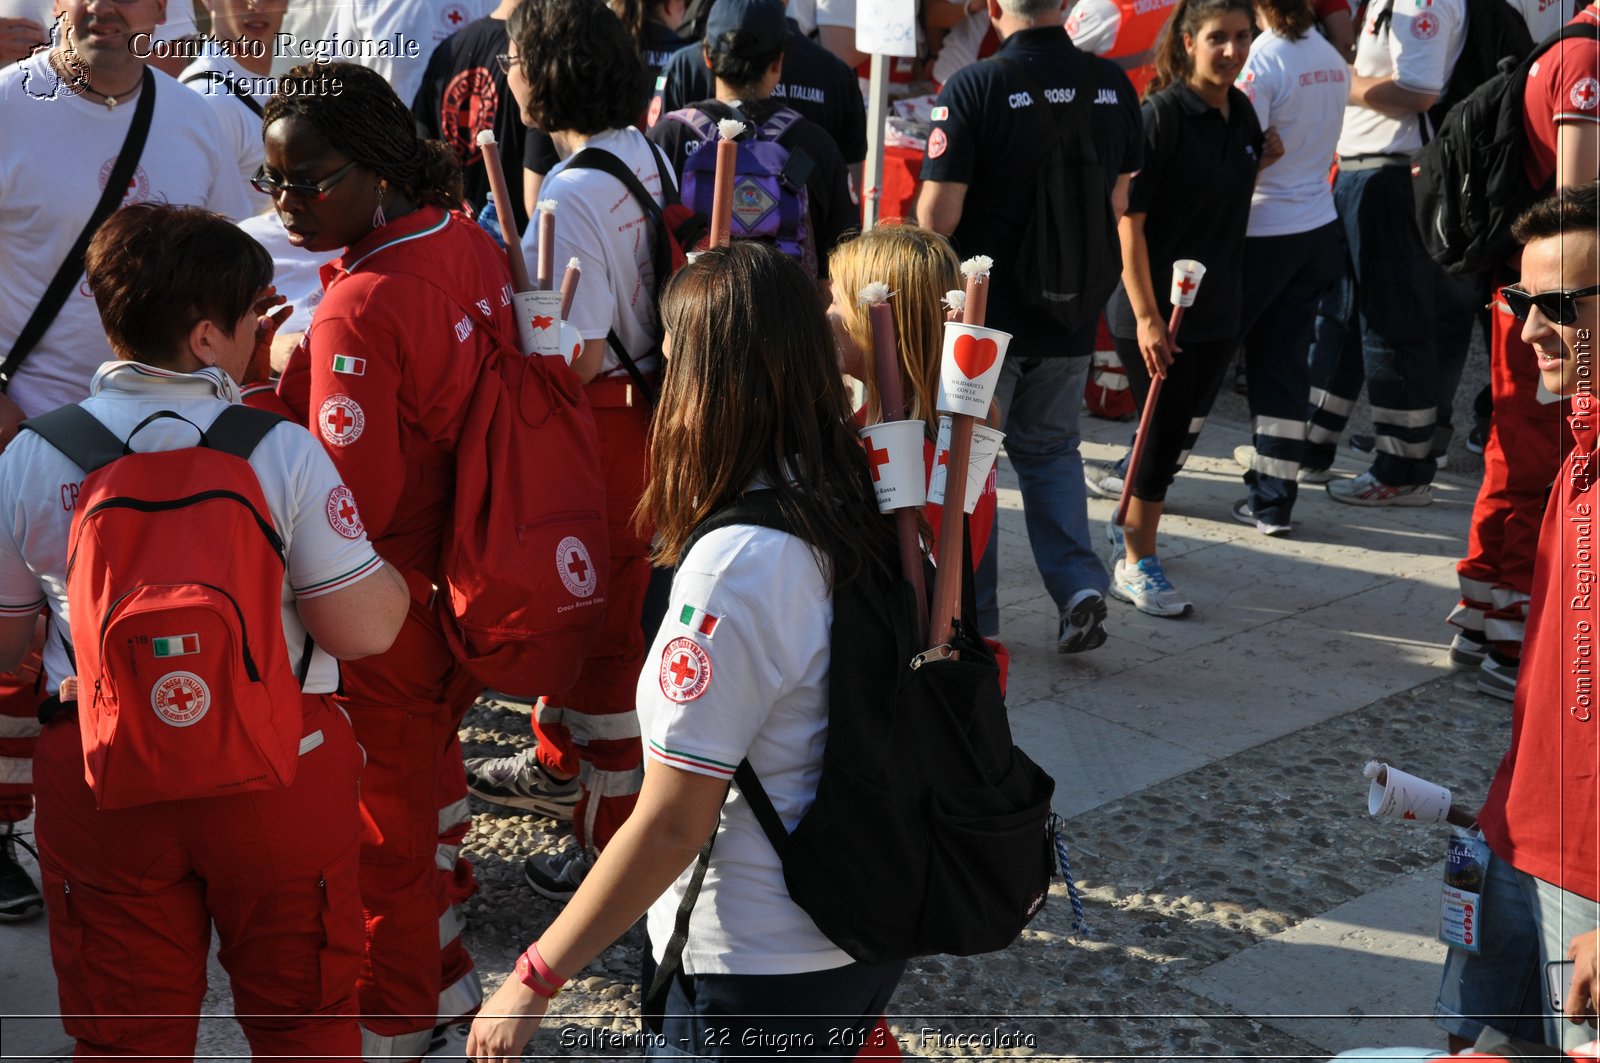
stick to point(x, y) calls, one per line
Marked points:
point(315, 192)
point(1560, 307)
point(507, 62)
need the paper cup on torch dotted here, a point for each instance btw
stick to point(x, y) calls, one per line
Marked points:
point(970, 368)
point(1186, 277)
point(894, 451)
point(1403, 796)
point(539, 321)
point(985, 450)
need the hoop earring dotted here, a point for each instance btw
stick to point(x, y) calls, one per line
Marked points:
point(379, 219)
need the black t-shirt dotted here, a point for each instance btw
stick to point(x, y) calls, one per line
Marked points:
point(463, 93)
point(815, 82)
point(833, 211)
point(1218, 157)
point(989, 134)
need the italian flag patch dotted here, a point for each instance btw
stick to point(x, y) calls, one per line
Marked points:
point(349, 365)
point(939, 114)
point(176, 645)
point(698, 620)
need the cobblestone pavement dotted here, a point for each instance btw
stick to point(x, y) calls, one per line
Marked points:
point(1175, 878)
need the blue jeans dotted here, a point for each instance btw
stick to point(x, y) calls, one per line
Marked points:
point(1040, 400)
point(1526, 923)
point(1379, 317)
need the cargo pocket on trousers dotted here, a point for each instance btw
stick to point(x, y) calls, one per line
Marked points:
point(343, 932)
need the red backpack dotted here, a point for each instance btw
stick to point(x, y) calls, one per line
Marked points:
point(174, 583)
point(526, 562)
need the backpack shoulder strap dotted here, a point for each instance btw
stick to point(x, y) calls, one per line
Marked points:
point(702, 123)
point(79, 435)
point(71, 268)
point(779, 123)
point(239, 429)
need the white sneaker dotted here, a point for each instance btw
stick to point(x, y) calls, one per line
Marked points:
point(1368, 490)
point(1146, 587)
point(520, 781)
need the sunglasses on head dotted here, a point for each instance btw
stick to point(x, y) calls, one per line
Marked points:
point(316, 192)
point(1561, 308)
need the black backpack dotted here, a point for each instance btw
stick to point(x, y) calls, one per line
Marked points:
point(1468, 181)
point(931, 830)
point(1070, 259)
point(1495, 33)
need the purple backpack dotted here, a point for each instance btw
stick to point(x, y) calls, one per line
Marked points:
point(769, 192)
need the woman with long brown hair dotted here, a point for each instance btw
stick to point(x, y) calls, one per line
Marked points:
point(752, 401)
point(1200, 133)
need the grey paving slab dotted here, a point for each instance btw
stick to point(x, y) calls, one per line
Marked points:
point(1359, 976)
point(29, 1028)
point(1093, 759)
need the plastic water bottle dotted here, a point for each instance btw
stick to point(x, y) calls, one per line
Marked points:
point(489, 221)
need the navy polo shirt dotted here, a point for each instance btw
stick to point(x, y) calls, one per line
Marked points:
point(989, 134)
point(815, 82)
point(1194, 192)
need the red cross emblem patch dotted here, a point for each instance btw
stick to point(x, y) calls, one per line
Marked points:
point(342, 514)
point(1425, 25)
point(341, 420)
point(685, 670)
point(180, 698)
point(576, 567)
point(1585, 95)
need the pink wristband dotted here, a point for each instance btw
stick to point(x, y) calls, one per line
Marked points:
point(542, 969)
point(530, 978)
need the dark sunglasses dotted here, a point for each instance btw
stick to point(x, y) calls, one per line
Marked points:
point(1561, 308)
point(507, 62)
point(314, 192)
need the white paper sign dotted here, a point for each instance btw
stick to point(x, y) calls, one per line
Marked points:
point(887, 27)
point(985, 449)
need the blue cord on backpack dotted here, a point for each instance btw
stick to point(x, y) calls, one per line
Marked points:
point(1064, 867)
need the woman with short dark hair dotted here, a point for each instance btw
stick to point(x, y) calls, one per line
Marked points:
point(752, 401)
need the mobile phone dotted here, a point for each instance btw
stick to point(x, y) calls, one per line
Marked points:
point(1558, 976)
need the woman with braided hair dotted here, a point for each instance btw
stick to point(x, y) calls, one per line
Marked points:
point(383, 376)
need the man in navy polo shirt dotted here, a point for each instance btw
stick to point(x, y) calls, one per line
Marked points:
point(983, 159)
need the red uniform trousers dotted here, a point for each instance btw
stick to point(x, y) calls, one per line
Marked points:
point(592, 730)
point(1526, 443)
point(133, 894)
point(20, 694)
point(406, 705)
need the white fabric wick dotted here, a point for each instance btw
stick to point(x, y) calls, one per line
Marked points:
point(485, 138)
point(573, 263)
point(729, 128)
point(546, 205)
point(976, 266)
point(955, 299)
point(875, 292)
point(1372, 769)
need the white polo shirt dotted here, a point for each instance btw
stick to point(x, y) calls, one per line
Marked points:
point(1298, 87)
point(739, 669)
point(1418, 49)
point(38, 487)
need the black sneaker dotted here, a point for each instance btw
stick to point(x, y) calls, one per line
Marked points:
point(19, 898)
point(1083, 623)
point(1478, 438)
point(557, 875)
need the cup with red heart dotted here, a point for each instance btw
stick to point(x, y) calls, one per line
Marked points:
point(985, 449)
point(971, 368)
point(894, 453)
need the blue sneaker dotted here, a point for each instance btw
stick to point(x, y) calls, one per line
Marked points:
point(1146, 587)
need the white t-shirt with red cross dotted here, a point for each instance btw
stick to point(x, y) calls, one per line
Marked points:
point(324, 540)
point(401, 24)
point(1414, 42)
point(1299, 87)
point(56, 152)
point(739, 669)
